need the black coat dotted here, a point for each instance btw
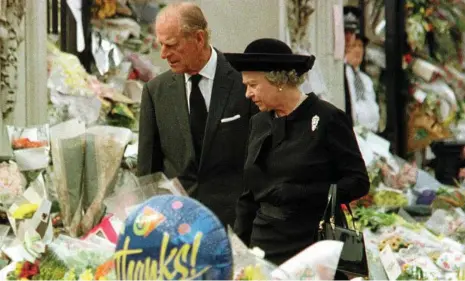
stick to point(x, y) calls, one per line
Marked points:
point(165, 140)
point(348, 102)
point(288, 171)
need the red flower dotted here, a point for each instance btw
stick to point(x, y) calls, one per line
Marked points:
point(29, 269)
point(134, 75)
point(408, 58)
point(411, 90)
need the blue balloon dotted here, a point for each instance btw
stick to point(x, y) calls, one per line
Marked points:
point(171, 238)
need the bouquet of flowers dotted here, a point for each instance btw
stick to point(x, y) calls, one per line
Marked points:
point(31, 146)
point(11, 184)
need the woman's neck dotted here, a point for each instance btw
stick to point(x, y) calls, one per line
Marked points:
point(293, 98)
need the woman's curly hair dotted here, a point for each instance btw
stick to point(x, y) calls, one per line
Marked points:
point(283, 77)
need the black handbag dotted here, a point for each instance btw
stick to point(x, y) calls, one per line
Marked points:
point(353, 260)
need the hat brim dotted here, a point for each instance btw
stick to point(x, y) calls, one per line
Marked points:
point(270, 62)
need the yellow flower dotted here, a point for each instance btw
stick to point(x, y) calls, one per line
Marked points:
point(19, 267)
point(25, 210)
point(70, 275)
point(405, 267)
point(429, 11)
point(87, 275)
point(254, 273)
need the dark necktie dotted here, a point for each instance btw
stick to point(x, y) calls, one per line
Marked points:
point(198, 115)
point(359, 86)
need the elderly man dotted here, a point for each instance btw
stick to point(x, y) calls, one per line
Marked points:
point(194, 118)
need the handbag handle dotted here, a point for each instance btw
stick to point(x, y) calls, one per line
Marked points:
point(332, 203)
point(330, 206)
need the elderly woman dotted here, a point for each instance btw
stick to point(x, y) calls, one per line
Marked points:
point(298, 146)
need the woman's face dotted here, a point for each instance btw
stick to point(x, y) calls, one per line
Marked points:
point(264, 94)
point(355, 53)
point(349, 39)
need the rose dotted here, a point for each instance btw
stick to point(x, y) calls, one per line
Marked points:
point(29, 269)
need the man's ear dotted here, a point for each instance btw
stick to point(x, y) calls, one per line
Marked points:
point(200, 37)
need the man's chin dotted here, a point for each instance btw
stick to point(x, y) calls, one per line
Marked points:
point(176, 68)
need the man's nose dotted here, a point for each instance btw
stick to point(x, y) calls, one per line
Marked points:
point(163, 52)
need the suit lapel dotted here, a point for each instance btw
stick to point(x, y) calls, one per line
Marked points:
point(177, 93)
point(222, 85)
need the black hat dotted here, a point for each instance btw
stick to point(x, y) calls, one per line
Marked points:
point(351, 18)
point(270, 55)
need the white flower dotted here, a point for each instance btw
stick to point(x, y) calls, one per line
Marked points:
point(10, 178)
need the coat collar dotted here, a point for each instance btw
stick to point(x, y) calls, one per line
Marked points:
point(209, 70)
point(303, 108)
point(276, 127)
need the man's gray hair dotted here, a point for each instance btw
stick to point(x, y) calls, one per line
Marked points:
point(191, 18)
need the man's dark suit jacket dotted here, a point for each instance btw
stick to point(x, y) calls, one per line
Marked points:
point(165, 141)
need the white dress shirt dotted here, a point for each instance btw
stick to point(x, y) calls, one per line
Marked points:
point(364, 112)
point(206, 83)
